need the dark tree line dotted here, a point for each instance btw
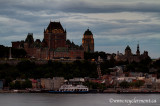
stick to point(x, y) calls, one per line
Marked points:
point(20, 84)
point(94, 55)
point(142, 66)
point(27, 69)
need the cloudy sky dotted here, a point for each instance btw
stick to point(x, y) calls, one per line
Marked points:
point(114, 23)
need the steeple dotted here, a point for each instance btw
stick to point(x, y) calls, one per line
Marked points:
point(138, 52)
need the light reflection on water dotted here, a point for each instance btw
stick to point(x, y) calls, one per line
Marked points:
point(44, 99)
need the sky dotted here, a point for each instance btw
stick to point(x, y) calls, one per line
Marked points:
point(114, 23)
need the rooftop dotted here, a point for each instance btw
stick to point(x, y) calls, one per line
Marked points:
point(88, 32)
point(54, 25)
point(128, 48)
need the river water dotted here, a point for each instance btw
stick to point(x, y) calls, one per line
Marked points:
point(46, 99)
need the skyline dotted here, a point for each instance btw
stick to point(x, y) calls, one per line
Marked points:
point(114, 24)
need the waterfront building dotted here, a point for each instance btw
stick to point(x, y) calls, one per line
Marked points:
point(47, 83)
point(158, 84)
point(53, 46)
point(1, 84)
point(36, 84)
point(52, 84)
point(88, 41)
point(57, 82)
point(128, 79)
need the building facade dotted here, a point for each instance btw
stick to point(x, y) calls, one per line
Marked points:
point(128, 56)
point(52, 84)
point(53, 46)
point(1, 84)
point(88, 41)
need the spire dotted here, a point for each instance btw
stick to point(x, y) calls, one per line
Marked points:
point(138, 52)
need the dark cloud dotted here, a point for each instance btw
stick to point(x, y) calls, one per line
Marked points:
point(19, 17)
point(79, 6)
point(110, 8)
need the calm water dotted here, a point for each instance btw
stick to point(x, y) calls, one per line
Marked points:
point(40, 99)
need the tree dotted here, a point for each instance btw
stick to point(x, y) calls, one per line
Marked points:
point(12, 85)
point(124, 84)
point(139, 83)
point(17, 85)
point(26, 84)
point(93, 85)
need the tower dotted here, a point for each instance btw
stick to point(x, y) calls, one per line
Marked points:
point(138, 52)
point(55, 35)
point(99, 68)
point(88, 41)
point(128, 51)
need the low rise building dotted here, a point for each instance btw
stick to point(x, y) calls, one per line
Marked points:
point(52, 84)
point(47, 83)
point(1, 84)
point(35, 83)
point(128, 79)
point(136, 74)
point(57, 82)
point(158, 84)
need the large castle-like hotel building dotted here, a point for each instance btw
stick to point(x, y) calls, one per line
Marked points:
point(53, 46)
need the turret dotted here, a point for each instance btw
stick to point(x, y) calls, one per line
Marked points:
point(88, 41)
point(138, 52)
point(128, 51)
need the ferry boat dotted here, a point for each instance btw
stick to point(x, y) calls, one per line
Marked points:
point(72, 89)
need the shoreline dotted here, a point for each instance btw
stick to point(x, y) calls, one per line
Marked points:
point(90, 92)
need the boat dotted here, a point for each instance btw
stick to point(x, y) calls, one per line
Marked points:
point(69, 88)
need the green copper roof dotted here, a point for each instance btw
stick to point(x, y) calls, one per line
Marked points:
point(128, 48)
